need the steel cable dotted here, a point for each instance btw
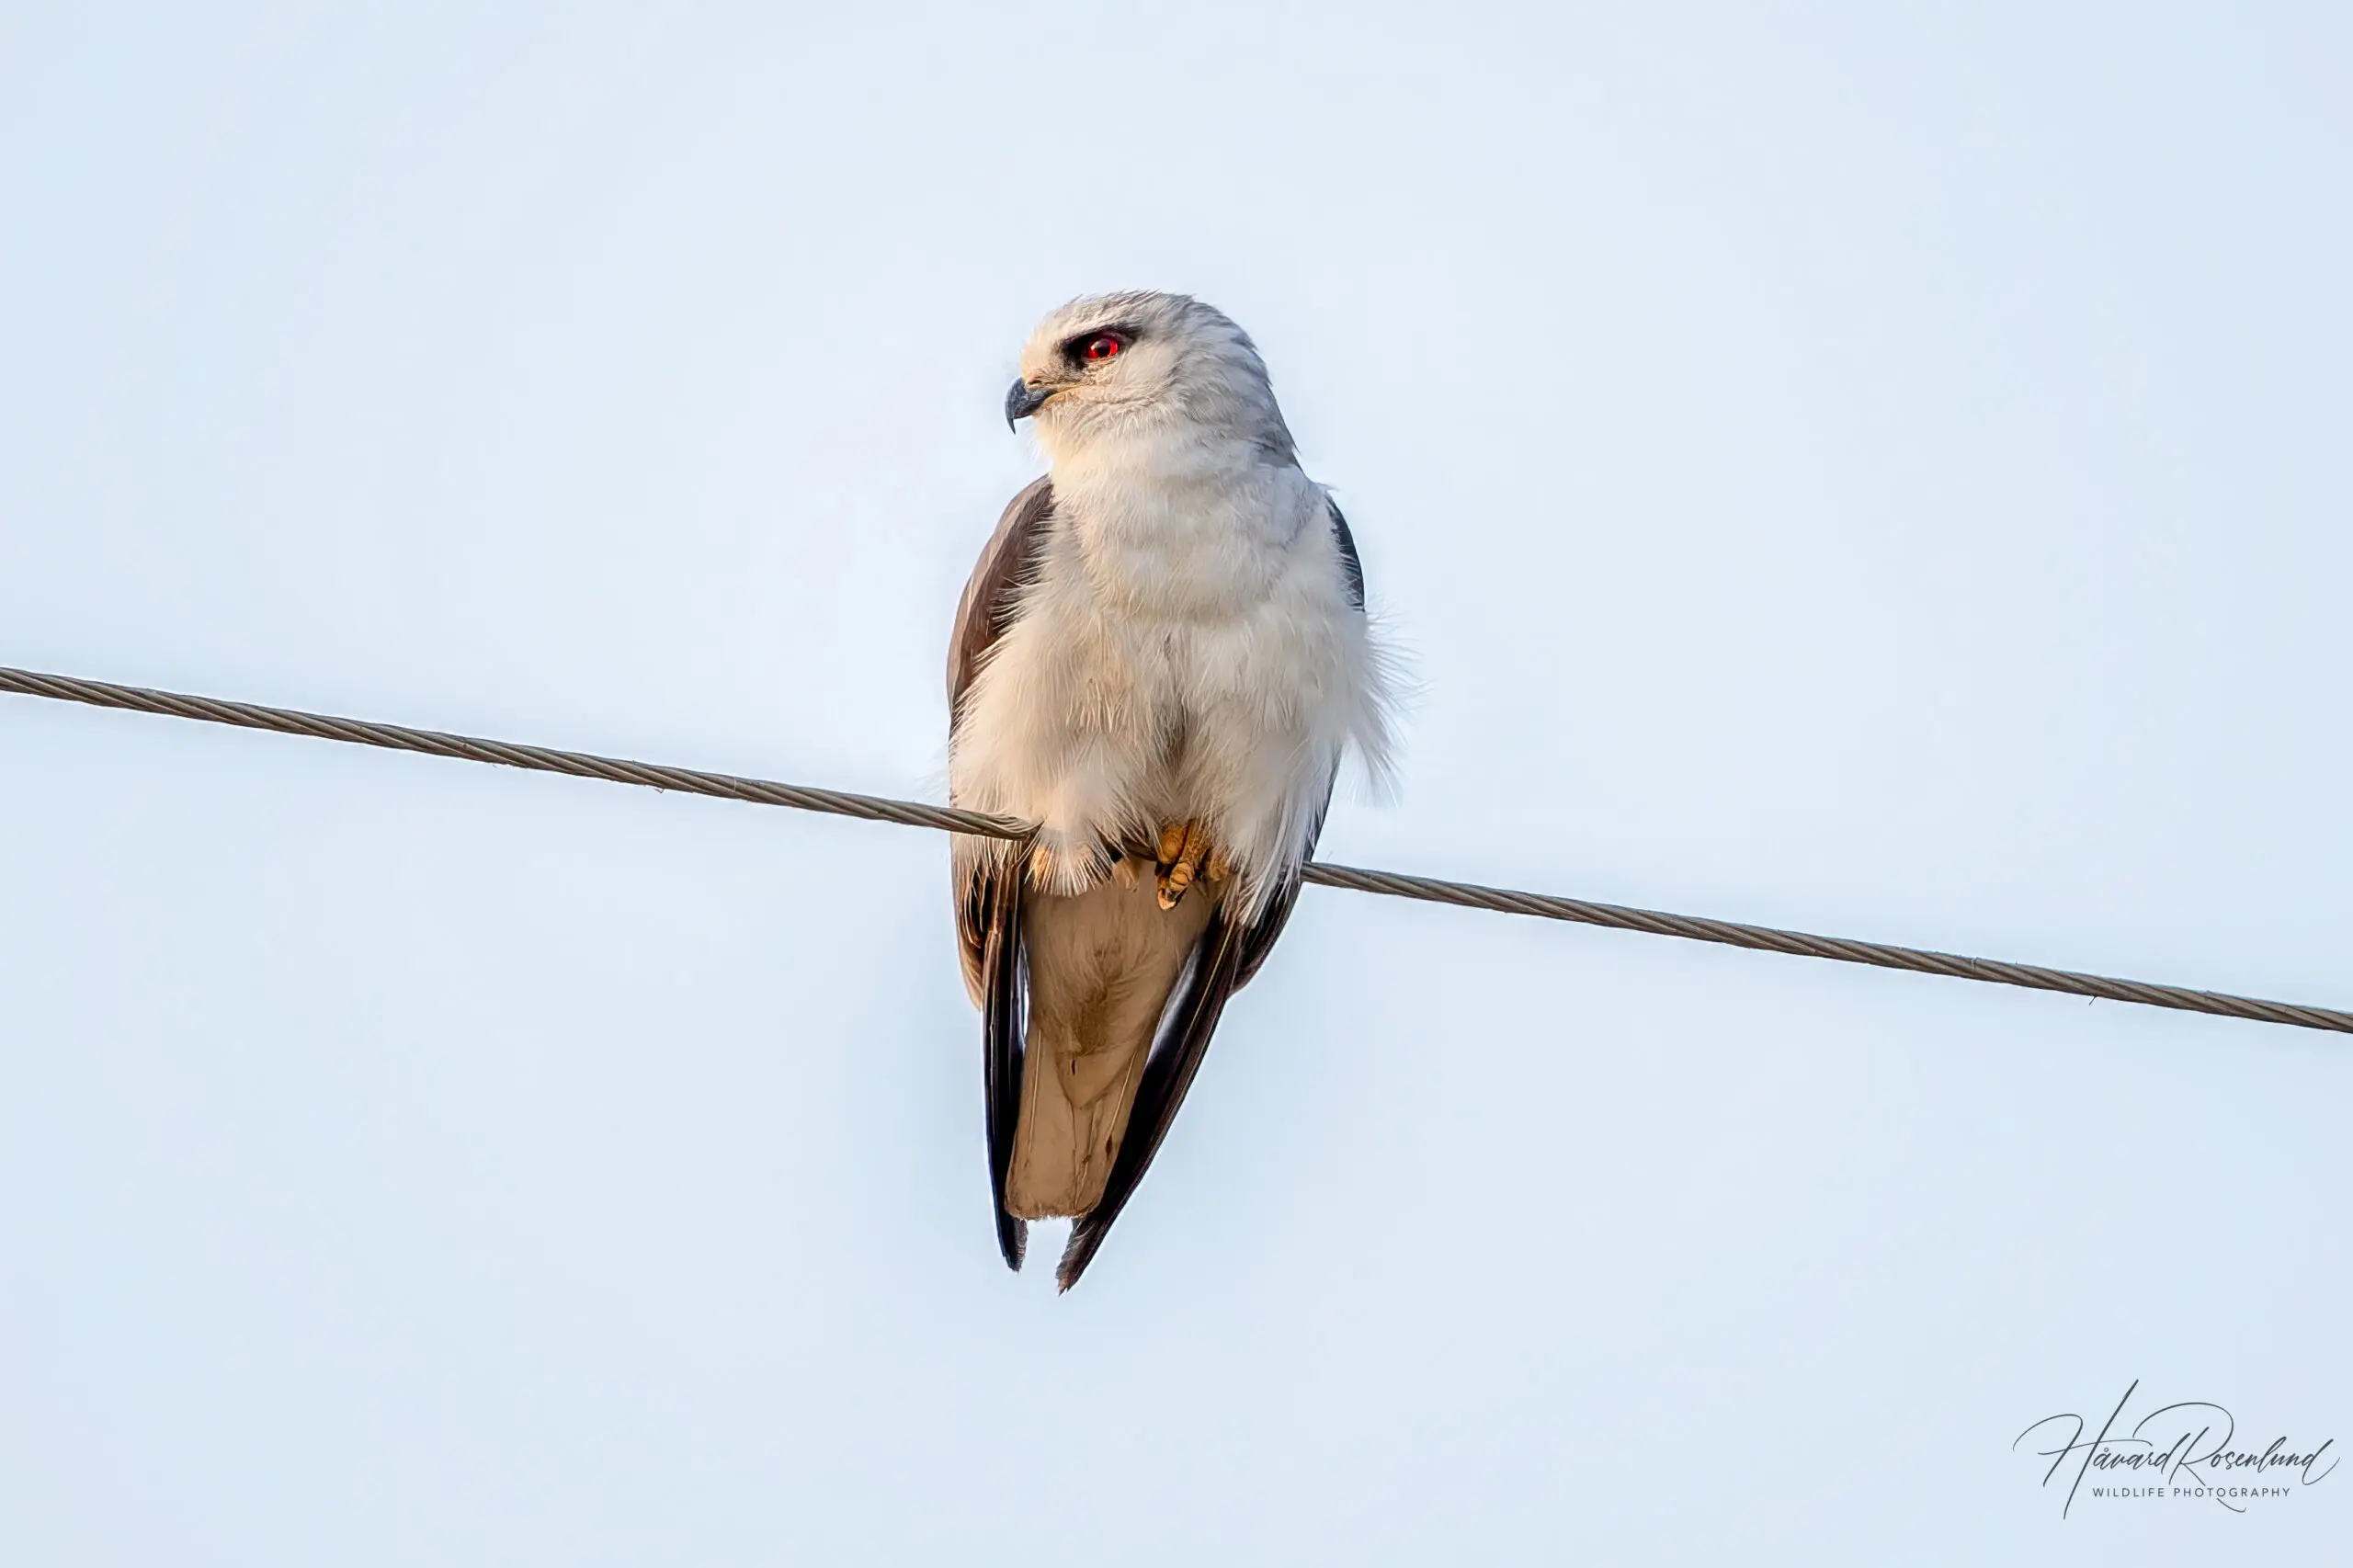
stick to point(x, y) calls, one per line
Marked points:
point(913, 814)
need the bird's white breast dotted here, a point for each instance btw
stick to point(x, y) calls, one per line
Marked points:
point(1188, 650)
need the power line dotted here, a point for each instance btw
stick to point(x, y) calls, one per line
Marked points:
point(913, 813)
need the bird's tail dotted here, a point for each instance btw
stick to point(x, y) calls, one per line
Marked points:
point(1101, 968)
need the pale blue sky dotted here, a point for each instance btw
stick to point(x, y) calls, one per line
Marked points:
point(1867, 467)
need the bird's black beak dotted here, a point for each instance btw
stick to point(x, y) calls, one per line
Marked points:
point(1023, 400)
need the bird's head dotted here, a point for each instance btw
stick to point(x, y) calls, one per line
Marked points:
point(1138, 364)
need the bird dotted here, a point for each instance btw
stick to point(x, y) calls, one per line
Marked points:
point(1161, 659)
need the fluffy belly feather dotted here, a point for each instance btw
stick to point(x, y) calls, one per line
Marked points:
point(1105, 731)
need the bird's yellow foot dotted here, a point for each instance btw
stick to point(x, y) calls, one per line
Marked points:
point(1183, 847)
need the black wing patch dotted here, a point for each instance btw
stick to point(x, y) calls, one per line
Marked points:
point(1002, 1036)
point(1349, 562)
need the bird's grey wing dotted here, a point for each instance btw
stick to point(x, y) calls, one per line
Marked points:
point(992, 598)
point(1008, 562)
point(1259, 939)
point(989, 887)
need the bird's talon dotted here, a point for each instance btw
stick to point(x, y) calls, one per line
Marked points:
point(1183, 847)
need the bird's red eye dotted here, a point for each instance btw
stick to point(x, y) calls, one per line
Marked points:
point(1103, 346)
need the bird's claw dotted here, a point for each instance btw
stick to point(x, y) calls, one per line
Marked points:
point(1183, 846)
point(1183, 856)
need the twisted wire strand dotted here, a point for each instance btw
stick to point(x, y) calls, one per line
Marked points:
point(1393, 884)
point(540, 759)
